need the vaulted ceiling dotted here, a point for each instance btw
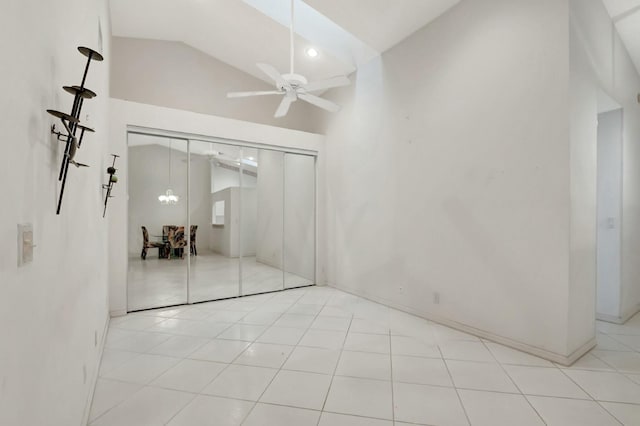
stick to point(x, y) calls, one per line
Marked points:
point(244, 32)
point(346, 32)
point(626, 16)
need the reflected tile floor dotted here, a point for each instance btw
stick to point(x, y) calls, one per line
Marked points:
point(158, 282)
point(319, 356)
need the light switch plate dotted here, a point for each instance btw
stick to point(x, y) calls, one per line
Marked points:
point(25, 243)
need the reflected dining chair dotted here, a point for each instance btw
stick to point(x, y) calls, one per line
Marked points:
point(146, 244)
point(176, 240)
point(192, 239)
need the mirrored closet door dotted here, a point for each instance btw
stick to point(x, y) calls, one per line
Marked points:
point(213, 220)
point(214, 203)
point(157, 238)
point(262, 221)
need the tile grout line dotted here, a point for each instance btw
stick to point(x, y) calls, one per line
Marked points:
point(326, 303)
point(393, 398)
point(513, 381)
point(464, 409)
point(286, 359)
point(333, 375)
point(243, 351)
point(231, 324)
point(143, 385)
point(186, 358)
point(590, 396)
point(237, 322)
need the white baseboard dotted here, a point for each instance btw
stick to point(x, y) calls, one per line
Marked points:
point(117, 313)
point(619, 320)
point(565, 360)
point(94, 378)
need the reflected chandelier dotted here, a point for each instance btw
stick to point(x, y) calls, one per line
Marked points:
point(169, 198)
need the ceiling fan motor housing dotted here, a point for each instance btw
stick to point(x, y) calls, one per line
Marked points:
point(295, 80)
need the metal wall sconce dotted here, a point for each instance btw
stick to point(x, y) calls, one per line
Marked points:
point(71, 122)
point(111, 171)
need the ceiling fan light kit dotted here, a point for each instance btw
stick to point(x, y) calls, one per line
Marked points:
point(295, 86)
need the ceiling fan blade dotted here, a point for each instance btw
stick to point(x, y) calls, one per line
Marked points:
point(327, 83)
point(273, 73)
point(247, 94)
point(284, 106)
point(319, 102)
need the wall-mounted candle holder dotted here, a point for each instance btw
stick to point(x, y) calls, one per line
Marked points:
point(111, 171)
point(71, 122)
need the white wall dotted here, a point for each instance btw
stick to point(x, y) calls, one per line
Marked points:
point(448, 172)
point(606, 65)
point(175, 75)
point(53, 312)
point(124, 114)
point(609, 213)
point(583, 109)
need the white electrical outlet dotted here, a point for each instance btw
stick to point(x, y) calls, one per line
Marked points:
point(436, 298)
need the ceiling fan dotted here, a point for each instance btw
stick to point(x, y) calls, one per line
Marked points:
point(295, 86)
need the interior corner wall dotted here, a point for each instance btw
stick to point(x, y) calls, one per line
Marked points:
point(53, 311)
point(174, 75)
point(583, 125)
point(610, 68)
point(448, 175)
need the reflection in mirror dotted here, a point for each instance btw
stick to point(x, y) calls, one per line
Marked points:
point(250, 227)
point(215, 220)
point(299, 220)
point(262, 198)
point(157, 272)
point(218, 213)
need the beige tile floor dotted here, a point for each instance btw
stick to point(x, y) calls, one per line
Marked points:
point(318, 356)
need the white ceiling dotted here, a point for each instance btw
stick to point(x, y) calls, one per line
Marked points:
point(626, 15)
point(243, 32)
point(382, 23)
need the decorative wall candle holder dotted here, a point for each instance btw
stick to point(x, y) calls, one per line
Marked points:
point(71, 122)
point(111, 171)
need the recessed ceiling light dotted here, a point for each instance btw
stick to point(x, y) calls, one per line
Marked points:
point(311, 52)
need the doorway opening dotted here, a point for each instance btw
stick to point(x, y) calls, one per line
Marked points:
point(609, 210)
